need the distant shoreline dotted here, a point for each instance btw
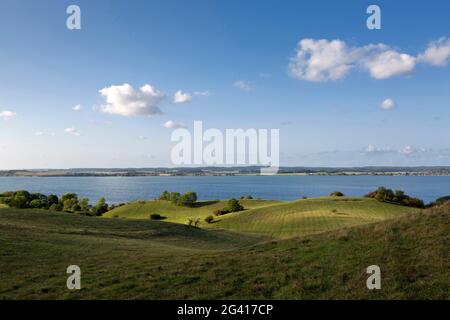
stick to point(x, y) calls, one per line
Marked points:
point(356, 174)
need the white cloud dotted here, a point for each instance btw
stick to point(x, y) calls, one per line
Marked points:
point(7, 115)
point(243, 85)
point(124, 100)
point(330, 60)
point(72, 131)
point(437, 53)
point(383, 65)
point(38, 133)
point(173, 125)
point(388, 104)
point(181, 97)
point(77, 107)
point(321, 60)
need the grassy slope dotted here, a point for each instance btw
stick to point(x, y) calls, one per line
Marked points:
point(274, 219)
point(158, 260)
point(311, 216)
point(178, 214)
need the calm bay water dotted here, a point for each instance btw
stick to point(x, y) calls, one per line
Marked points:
point(123, 189)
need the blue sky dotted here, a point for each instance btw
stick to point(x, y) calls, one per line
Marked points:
point(241, 65)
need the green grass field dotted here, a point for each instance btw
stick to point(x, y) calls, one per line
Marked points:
point(271, 218)
point(239, 257)
point(178, 214)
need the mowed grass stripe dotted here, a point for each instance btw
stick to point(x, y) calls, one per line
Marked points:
point(305, 217)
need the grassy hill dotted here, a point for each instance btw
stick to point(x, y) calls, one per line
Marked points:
point(271, 218)
point(130, 259)
point(174, 213)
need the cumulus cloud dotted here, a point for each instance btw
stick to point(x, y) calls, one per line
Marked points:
point(124, 100)
point(386, 64)
point(182, 97)
point(321, 60)
point(388, 104)
point(7, 115)
point(77, 107)
point(243, 85)
point(173, 125)
point(437, 53)
point(72, 131)
point(330, 60)
point(38, 133)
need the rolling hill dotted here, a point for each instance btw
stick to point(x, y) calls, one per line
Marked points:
point(271, 218)
point(136, 259)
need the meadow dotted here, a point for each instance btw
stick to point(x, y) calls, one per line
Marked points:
point(305, 249)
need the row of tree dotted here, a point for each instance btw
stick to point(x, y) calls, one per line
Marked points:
point(187, 199)
point(69, 202)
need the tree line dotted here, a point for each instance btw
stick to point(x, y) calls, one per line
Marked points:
point(69, 202)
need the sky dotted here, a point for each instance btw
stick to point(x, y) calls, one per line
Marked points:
point(111, 93)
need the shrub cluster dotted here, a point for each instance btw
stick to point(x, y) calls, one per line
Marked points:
point(399, 197)
point(187, 199)
point(69, 202)
point(337, 194)
point(233, 205)
point(249, 197)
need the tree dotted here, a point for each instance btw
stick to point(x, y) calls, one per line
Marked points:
point(36, 203)
point(336, 194)
point(165, 195)
point(56, 207)
point(70, 195)
point(70, 204)
point(100, 207)
point(234, 205)
point(209, 219)
point(52, 199)
point(188, 199)
point(84, 205)
point(19, 201)
point(174, 196)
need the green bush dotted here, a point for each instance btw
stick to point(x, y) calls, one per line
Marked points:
point(69, 204)
point(100, 207)
point(165, 195)
point(337, 194)
point(220, 212)
point(399, 197)
point(52, 199)
point(188, 199)
point(234, 205)
point(209, 219)
point(36, 203)
point(56, 207)
point(19, 201)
